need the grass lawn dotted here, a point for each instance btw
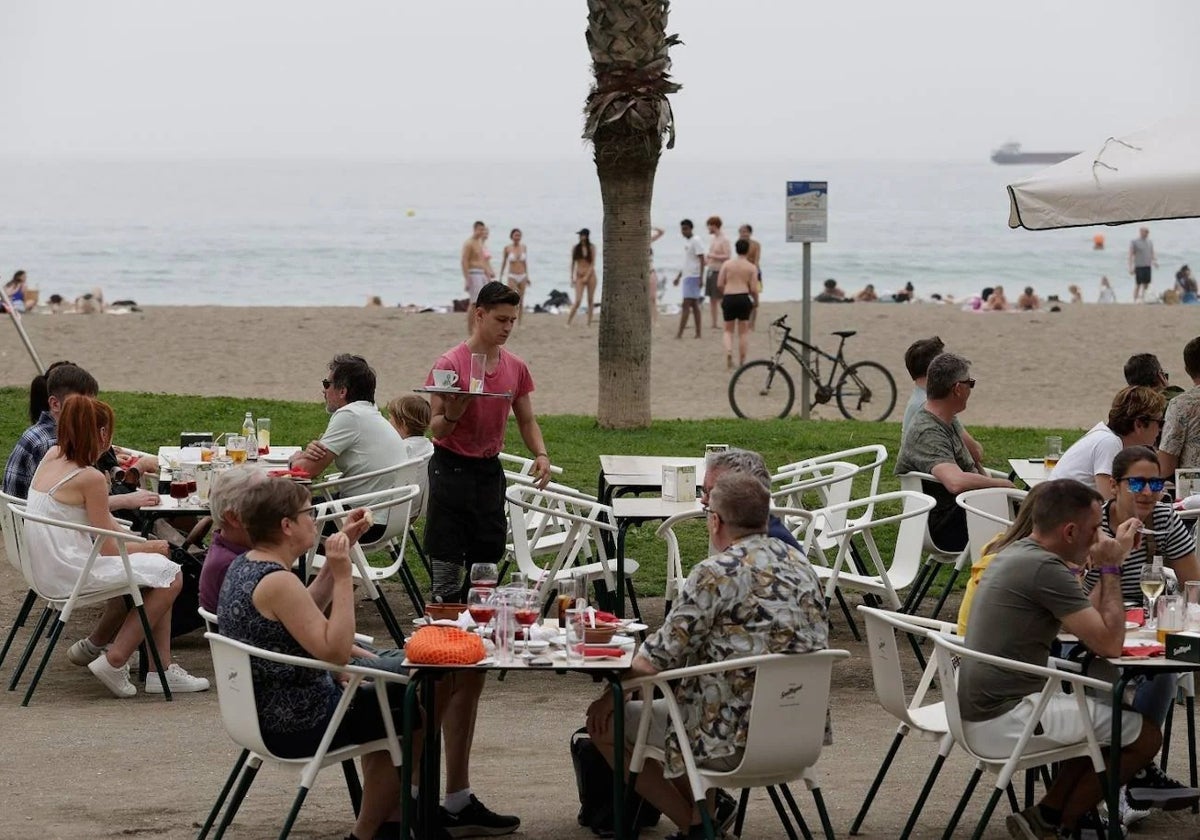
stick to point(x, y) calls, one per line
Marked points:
point(146, 421)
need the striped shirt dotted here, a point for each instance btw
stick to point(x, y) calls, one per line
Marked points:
point(1176, 544)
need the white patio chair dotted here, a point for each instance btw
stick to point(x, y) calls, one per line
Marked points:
point(888, 578)
point(1031, 750)
point(522, 465)
point(12, 531)
point(831, 482)
point(676, 574)
point(990, 511)
point(916, 714)
point(547, 530)
point(935, 557)
point(787, 730)
point(82, 594)
point(586, 521)
point(239, 714)
point(398, 502)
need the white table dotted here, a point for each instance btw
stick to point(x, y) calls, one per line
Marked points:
point(639, 472)
point(1030, 471)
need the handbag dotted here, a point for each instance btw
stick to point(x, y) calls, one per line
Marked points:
point(594, 779)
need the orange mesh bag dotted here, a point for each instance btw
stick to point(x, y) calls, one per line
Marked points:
point(436, 645)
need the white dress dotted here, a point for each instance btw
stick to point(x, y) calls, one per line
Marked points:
point(58, 555)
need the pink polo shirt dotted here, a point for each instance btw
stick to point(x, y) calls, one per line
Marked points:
point(479, 433)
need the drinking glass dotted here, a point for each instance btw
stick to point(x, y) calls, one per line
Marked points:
point(204, 474)
point(478, 366)
point(235, 448)
point(189, 475)
point(1152, 581)
point(576, 621)
point(526, 604)
point(518, 580)
point(263, 433)
point(179, 486)
point(1170, 616)
point(207, 450)
point(480, 605)
point(1191, 615)
point(1053, 451)
point(569, 593)
point(485, 574)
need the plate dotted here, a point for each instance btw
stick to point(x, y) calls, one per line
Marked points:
point(274, 458)
point(535, 646)
point(634, 626)
point(1132, 625)
point(441, 622)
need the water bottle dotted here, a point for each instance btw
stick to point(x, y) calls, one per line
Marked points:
point(251, 435)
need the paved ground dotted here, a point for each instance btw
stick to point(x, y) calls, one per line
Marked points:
point(80, 764)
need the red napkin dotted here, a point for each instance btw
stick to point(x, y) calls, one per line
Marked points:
point(614, 652)
point(606, 617)
point(1144, 650)
point(294, 472)
point(1137, 615)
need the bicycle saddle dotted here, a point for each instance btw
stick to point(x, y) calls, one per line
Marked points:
point(844, 333)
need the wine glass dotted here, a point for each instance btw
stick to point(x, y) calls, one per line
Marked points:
point(526, 603)
point(518, 580)
point(480, 605)
point(485, 575)
point(1152, 580)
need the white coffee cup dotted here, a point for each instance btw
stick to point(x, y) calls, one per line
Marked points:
point(444, 378)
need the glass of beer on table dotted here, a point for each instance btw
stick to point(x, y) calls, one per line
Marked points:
point(1053, 451)
point(235, 448)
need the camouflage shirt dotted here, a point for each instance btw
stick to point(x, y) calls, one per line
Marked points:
point(758, 596)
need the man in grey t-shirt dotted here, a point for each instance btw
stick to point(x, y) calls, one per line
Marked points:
point(1141, 259)
point(1026, 596)
point(932, 444)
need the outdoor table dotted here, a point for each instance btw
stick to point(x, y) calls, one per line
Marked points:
point(424, 677)
point(1030, 471)
point(625, 473)
point(628, 511)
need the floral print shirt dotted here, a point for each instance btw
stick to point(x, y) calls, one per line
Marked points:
point(758, 596)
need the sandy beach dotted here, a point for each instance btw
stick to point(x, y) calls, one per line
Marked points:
point(1034, 368)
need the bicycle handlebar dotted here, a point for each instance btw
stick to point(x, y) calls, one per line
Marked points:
point(780, 321)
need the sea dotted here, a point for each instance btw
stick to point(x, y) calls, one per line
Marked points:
point(329, 232)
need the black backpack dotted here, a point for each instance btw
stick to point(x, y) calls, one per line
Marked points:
point(594, 779)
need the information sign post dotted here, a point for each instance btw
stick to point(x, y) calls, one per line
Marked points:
point(807, 222)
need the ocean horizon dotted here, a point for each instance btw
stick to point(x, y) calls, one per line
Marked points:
point(301, 231)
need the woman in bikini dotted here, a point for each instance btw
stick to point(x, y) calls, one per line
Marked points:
point(583, 274)
point(515, 260)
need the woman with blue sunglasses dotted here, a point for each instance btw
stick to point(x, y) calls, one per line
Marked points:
point(1137, 489)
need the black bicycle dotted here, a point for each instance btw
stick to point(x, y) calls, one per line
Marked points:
point(763, 388)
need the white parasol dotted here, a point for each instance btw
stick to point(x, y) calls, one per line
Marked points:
point(1143, 176)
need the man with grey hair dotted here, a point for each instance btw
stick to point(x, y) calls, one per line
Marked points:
point(750, 463)
point(754, 596)
point(932, 444)
point(229, 538)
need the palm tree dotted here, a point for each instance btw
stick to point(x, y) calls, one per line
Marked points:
point(628, 118)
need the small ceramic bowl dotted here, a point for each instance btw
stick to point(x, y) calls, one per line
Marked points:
point(601, 634)
point(446, 612)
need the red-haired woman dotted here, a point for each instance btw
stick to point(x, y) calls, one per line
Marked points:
point(67, 487)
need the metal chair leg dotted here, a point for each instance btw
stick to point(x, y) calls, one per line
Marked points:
point(915, 814)
point(846, 611)
point(30, 647)
point(293, 813)
point(783, 817)
point(19, 622)
point(878, 780)
point(962, 804)
point(149, 641)
point(1190, 706)
point(389, 617)
point(51, 641)
point(239, 793)
point(795, 809)
point(1012, 798)
point(1166, 737)
point(987, 812)
point(353, 786)
point(823, 813)
point(946, 590)
point(223, 795)
point(740, 821)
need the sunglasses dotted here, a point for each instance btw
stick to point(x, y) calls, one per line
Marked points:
point(1147, 419)
point(970, 383)
point(1137, 484)
point(325, 383)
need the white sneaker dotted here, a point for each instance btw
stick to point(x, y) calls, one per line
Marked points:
point(115, 680)
point(1130, 814)
point(83, 652)
point(178, 680)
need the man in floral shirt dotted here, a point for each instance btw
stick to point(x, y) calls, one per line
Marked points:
point(757, 595)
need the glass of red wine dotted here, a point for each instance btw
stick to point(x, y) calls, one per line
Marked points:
point(179, 487)
point(526, 610)
point(481, 605)
point(485, 574)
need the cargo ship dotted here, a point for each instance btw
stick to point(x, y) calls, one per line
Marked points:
point(1011, 153)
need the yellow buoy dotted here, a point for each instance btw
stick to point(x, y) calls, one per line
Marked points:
point(411, 213)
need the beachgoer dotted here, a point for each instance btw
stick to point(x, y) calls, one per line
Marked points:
point(693, 269)
point(90, 303)
point(1028, 595)
point(996, 301)
point(755, 595)
point(1107, 294)
point(1180, 444)
point(831, 293)
point(516, 260)
point(933, 444)
point(583, 275)
point(755, 256)
point(906, 295)
point(1141, 260)
point(737, 283)
point(67, 487)
point(1076, 294)
point(15, 289)
point(656, 233)
point(1185, 284)
point(1135, 418)
point(476, 267)
point(719, 251)
point(1028, 301)
point(867, 295)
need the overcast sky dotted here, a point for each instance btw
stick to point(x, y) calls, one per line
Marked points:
point(507, 78)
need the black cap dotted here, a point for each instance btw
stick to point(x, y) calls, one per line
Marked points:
point(583, 232)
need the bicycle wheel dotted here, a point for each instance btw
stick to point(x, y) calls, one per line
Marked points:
point(760, 390)
point(866, 391)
